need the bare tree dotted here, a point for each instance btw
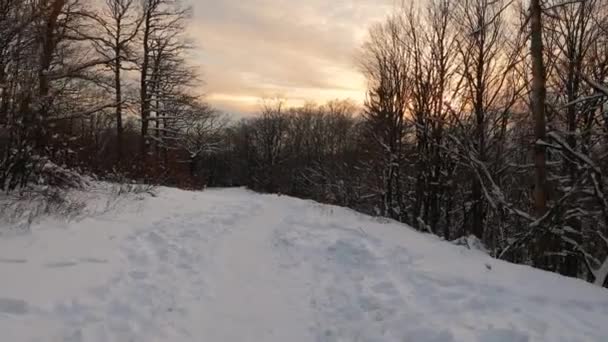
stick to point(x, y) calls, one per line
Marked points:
point(386, 63)
point(163, 25)
point(488, 56)
point(117, 26)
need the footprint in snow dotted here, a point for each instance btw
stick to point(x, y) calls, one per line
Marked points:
point(12, 261)
point(138, 275)
point(94, 261)
point(503, 335)
point(61, 264)
point(13, 306)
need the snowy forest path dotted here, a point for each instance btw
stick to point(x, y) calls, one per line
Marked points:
point(247, 287)
point(231, 265)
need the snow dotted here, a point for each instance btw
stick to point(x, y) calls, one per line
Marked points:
point(231, 265)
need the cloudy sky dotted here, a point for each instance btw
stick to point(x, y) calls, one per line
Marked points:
point(296, 49)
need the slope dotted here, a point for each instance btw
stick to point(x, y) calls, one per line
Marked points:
point(231, 265)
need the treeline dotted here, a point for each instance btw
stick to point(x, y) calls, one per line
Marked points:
point(98, 86)
point(458, 135)
point(314, 151)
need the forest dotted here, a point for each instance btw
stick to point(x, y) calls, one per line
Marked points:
point(484, 118)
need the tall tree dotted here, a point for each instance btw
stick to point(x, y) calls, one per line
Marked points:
point(119, 25)
point(163, 25)
point(538, 98)
point(386, 63)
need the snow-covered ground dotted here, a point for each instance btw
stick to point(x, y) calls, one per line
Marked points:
point(231, 265)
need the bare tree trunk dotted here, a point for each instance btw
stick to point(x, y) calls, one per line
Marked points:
point(538, 98)
point(49, 43)
point(145, 101)
point(119, 128)
point(119, 29)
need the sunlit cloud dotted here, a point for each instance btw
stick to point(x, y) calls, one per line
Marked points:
point(299, 50)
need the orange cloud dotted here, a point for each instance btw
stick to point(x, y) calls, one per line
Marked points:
point(300, 50)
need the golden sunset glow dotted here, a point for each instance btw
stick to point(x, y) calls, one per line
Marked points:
point(297, 50)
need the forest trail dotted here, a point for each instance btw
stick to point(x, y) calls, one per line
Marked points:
point(231, 265)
